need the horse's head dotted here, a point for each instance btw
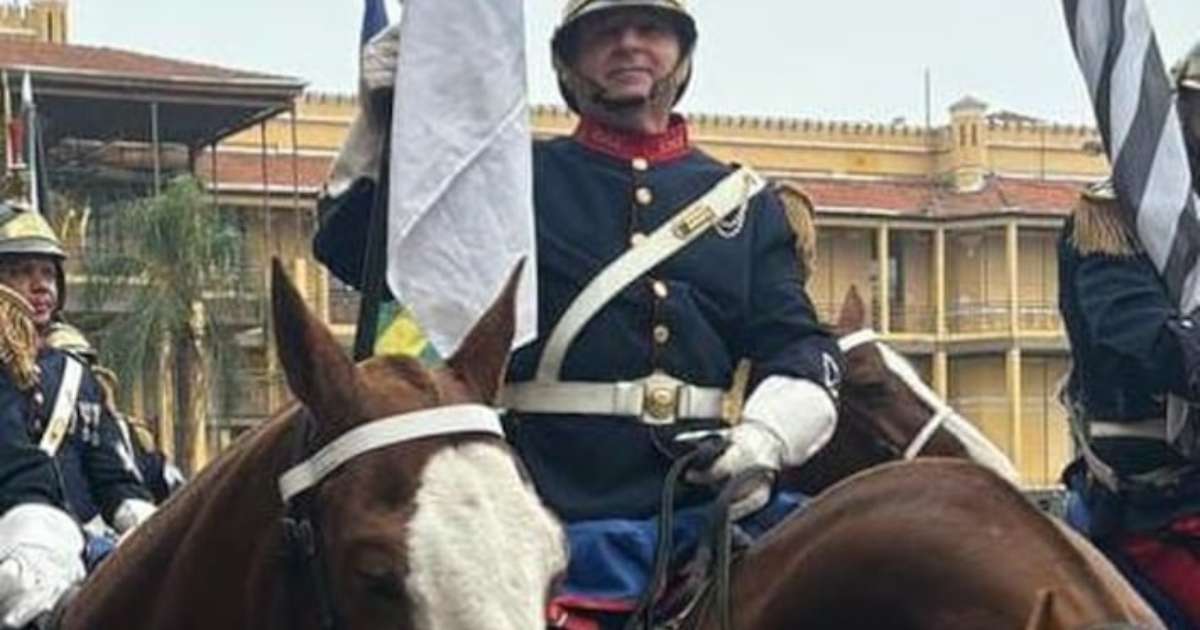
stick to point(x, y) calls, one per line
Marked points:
point(888, 413)
point(424, 517)
point(884, 402)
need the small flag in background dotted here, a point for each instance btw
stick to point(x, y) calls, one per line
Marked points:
point(461, 198)
point(1137, 117)
point(32, 146)
point(375, 19)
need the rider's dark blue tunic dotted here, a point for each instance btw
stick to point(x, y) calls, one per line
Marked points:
point(1131, 347)
point(733, 294)
point(91, 472)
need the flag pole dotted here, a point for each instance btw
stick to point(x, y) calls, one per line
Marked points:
point(8, 141)
point(373, 276)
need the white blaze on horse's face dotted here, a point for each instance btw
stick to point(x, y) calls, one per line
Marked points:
point(482, 551)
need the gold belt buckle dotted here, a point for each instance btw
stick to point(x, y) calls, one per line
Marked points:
point(661, 401)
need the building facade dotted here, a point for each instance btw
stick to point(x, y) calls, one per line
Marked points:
point(37, 20)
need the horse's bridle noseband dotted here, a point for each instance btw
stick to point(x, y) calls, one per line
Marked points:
point(300, 531)
point(898, 366)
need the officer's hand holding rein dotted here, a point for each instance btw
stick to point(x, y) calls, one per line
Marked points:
point(785, 422)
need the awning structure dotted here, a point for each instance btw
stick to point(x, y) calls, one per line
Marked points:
point(87, 93)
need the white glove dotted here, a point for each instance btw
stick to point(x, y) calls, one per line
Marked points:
point(751, 445)
point(130, 514)
point(40, 560)
point(379, 59)
point(784, 423)
point(360, 153)
point(172, 477)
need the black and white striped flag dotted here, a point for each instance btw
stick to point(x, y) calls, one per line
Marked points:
point(1137, 118)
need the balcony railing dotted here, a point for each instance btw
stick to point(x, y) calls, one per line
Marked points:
point(343, 304)
point(1040, 316)
point(978, 317)
point(252, 400)
point(236, 299)
point(913, 318)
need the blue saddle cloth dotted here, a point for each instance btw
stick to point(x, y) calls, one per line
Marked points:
point(612, 560)
point(96, 549)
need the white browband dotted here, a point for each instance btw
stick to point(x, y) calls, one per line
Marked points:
point(854, 340)
point(901, 368)
point(377, 434)
point(981, 450)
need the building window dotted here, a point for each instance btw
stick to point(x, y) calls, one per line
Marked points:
point(974, 135)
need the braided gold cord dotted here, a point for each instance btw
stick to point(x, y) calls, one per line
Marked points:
point(18, 339)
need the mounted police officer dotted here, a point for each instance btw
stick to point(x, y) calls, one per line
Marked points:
point(63, 459)
point(660, 268)
point(162, 478)
point(1136, 494)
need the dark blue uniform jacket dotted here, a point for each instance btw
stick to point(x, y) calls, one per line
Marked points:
point(1130, 347)
point(91, 472)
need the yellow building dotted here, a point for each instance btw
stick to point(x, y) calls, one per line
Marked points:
point(40, 20)
point(951, 231)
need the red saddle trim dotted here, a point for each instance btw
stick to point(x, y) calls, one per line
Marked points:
point(1174, 568)
point(570, 612)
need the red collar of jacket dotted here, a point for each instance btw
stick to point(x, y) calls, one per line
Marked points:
point(628, 145)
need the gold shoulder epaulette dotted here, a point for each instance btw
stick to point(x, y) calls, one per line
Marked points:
point(801, 215)
point(18, 339)
point(1100, 224)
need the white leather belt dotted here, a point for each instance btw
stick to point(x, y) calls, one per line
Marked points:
point(1153, 429)
point(656, 399)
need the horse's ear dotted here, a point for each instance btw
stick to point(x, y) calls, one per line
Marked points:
point(853, 316)
point(317, 368)
point(483, 356)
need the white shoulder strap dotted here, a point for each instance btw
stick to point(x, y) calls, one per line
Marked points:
point(64, 407)
point(730, 194)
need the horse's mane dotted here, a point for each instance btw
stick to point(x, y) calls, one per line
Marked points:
point(254, 459)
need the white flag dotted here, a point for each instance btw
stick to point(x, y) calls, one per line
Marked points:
point(461, 198)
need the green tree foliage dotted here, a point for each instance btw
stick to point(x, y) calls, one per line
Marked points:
point(178, 259)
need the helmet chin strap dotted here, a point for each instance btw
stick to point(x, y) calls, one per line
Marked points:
point(658, 94)
point(663, 92)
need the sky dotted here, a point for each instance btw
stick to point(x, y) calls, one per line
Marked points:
point(842, 60)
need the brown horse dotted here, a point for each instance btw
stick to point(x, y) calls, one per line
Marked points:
point(886, 413)
point(440, 531)
point(932, 544)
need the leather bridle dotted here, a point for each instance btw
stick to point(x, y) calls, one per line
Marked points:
point(898, 366)
point(300, 531)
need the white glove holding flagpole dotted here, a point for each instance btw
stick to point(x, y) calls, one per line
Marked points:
point(360, 155)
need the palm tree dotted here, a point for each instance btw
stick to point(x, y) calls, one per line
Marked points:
point(177, 254)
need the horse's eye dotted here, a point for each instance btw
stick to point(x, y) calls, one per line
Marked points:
point(382, 584)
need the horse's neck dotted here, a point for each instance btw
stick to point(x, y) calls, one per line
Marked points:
point(191, 565)
point(967, 551)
